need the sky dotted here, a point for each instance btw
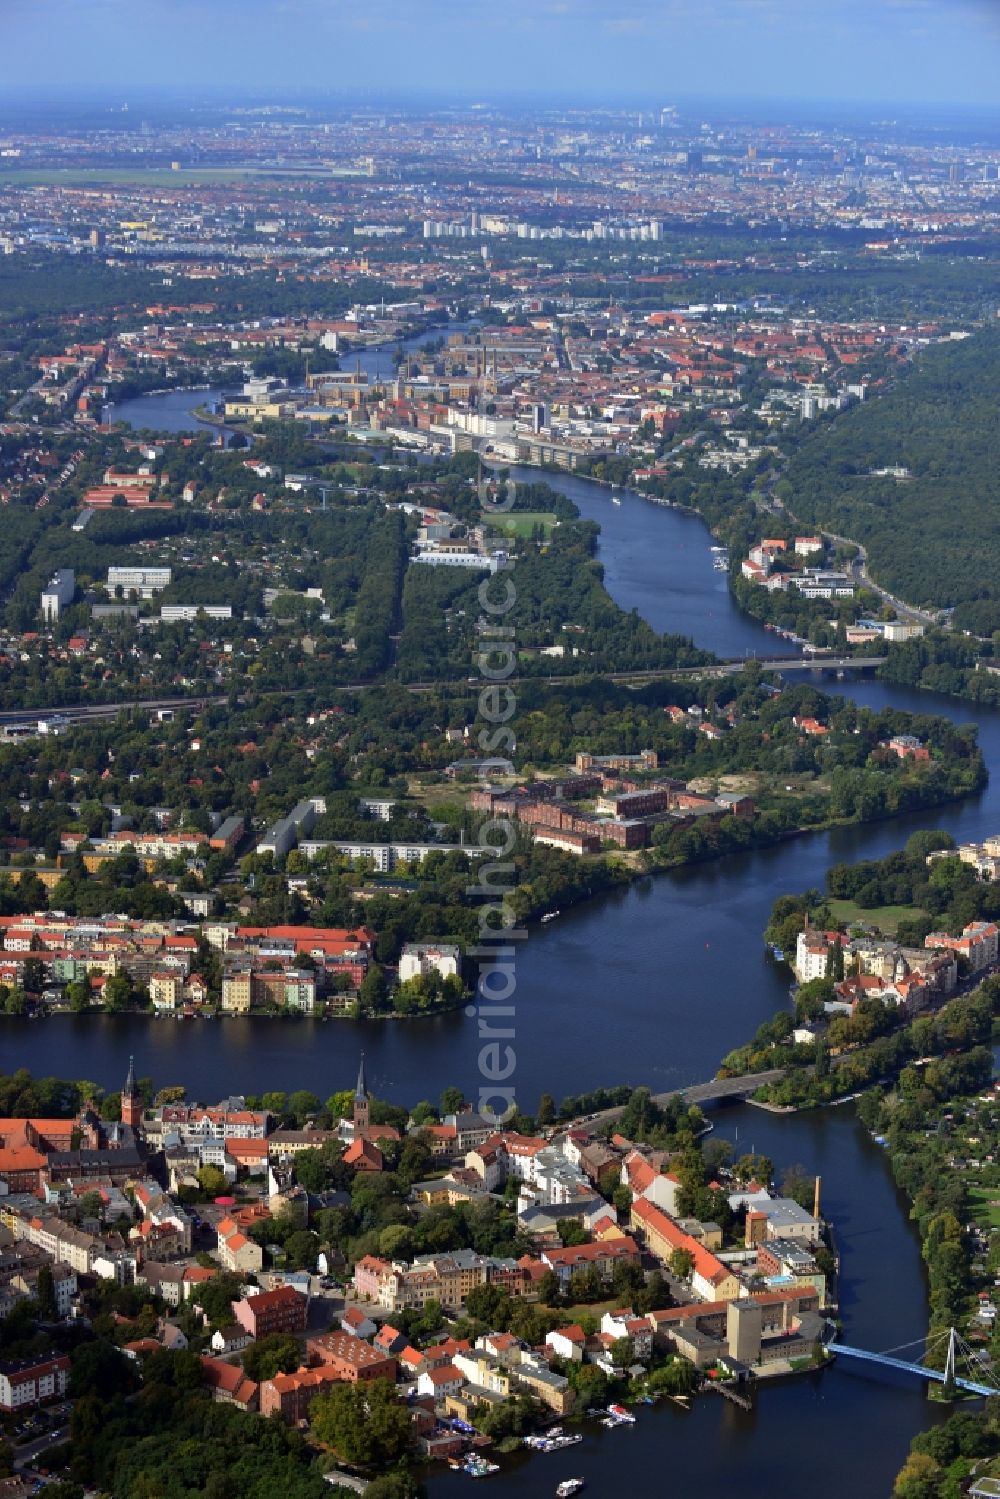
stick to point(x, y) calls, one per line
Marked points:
point(863, 52)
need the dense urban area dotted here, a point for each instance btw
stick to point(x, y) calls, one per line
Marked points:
point(315, 693)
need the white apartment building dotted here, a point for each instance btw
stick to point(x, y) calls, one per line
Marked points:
point(420, 958)
point(811, 957)
point(58, 593)
point(145, 581)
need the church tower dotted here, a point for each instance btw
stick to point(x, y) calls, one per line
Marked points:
point(131, 1102)
point(361, 1106)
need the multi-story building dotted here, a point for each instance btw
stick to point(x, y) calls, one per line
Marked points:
point(710, 1278)
point(978, 943)
point(290, 1395)
point(420, 958)
point(351, 1357)
point(30, 1381)
point(447, 1278)
point(145, 581)
point(283, 1310)
point(58, 594)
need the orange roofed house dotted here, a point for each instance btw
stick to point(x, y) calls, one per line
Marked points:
point(710, 1278)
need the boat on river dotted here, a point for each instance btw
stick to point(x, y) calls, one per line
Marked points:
point(569, 1486)
point(478, 1467)
point(552, 1441)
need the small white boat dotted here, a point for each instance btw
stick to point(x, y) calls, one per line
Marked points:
point(615, 500)
point(569, 1486)
point(550, 915)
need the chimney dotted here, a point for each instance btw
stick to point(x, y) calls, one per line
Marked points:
point(816, 1198)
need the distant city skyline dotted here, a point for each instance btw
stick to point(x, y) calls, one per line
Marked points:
point(864, 52)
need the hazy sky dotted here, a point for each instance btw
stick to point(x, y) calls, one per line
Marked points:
point(906, 51)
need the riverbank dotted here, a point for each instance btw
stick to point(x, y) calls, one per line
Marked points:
point(677, 962)
point(941, 1156)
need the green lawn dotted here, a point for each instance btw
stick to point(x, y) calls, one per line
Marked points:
point(523, 522)
point(985, 1204)
point(886, 918)
point(440, 793)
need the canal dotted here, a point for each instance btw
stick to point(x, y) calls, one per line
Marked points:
point(649, 985)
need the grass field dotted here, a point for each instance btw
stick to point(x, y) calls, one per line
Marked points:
point(440, 793)
point(985, 1205)
point(523, 522)
point(886, 918)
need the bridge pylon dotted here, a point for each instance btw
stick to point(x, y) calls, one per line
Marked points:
point(949, 1363)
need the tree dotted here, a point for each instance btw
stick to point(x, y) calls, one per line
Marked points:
point(301, 1249)
point(364, 1423)
point(341, 1105)
point(452, 1101)
point(919, 1478)
point(78, 995)
point(489, 1304)
point(681, 1263)
point(92, 1205)
point(216, 1298)
point(45, 1295)
point(373, 992)
point(311, 1170)
point(835, 969)
point(33, 975)
point(303, 1105)
point(393, 1486)
point(212, 1180)
point(549, 1289)
point(277, 1354)
point(117, 991)
point(98, 1365)
point(622, 1353)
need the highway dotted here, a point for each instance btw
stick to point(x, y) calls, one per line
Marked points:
point(92, 712)
point(88, 712)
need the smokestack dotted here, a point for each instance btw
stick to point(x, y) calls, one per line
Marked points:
point(816, 1198)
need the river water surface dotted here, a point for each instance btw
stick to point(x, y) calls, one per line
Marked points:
point(649, 985)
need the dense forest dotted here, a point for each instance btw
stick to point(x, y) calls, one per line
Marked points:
point(934, 537)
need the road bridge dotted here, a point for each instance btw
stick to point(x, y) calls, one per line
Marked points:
point(716, 1090)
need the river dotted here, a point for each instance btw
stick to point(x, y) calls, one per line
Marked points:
point(174, 410)
point(648, 985)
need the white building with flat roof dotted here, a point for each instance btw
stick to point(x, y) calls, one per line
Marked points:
point(58, 593)
point(144, 580)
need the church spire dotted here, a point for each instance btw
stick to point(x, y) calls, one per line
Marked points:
point(362, 1110)
point(131, 1110)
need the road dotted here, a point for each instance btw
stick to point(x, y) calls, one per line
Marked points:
point(860, 569)
point(26, 1457)
point(91, 712)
